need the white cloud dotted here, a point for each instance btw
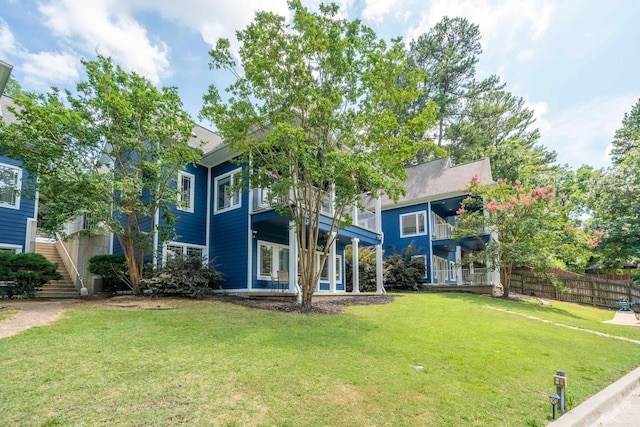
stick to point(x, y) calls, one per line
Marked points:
point(582, 134)
point(539, 110)
point(45, 69)
point(213, 19)
point(525, 55)
point(500, 22)
point(377, 10)
point(7, 40)
point(110, 27)
point(104, 26)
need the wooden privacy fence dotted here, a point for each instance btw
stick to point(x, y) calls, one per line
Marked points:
point(577, 288)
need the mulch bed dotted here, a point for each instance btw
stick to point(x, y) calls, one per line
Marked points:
point(333, 306)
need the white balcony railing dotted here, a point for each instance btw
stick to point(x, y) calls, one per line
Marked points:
point(442, 231)
point(474, 277)
point(444, 277)
point(366, 219)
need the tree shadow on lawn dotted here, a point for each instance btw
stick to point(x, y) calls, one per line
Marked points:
point(521, 303)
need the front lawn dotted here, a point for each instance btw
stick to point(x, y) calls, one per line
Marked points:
point(435, 360)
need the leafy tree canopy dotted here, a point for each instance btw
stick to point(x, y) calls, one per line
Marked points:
point(529, 227)
point(111, 151)
point(313, 109)
point(615, 194)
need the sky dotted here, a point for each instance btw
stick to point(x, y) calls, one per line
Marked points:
point(575, 62)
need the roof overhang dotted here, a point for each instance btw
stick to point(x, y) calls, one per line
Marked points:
point(5, 72)
point(217, 156)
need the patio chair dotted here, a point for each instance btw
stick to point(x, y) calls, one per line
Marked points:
point(283, 279)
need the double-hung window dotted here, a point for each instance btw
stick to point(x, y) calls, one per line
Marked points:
point(413, 224)
point(225, 198)
point(10, 183)
point(177, 249)
point(423, 260)
point(186, 191)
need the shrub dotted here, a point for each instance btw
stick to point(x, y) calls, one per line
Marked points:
point(366, 268)
point(183, 276)
point(402, 271)
point(28, 272)
point(112, 269)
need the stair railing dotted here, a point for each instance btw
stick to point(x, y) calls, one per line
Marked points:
point(83, 290)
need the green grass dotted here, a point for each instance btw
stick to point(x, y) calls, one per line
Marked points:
point(5, 312)
point(211, 363)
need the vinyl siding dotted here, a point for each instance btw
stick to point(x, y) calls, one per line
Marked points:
point(13, 222)
point(229, 236)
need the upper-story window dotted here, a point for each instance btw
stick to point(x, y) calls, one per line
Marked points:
point(225, 198)
point(10, 182)
point(186, 191)
point(413, 224)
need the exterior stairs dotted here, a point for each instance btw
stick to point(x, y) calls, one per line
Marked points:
point(63, 288)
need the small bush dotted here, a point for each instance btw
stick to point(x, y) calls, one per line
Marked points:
point(402, 271)
point(366, 268)
point(28, 272)
point(183, 276)
point(112, 269)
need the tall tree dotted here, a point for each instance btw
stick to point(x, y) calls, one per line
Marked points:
point(312, 110)
point(616, 194)
point(496, 124)
point(448, 53)
point(111, 151)
point(476, 118)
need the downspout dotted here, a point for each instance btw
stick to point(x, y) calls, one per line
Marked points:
point(207, 226)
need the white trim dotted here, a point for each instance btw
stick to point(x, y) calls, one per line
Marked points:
point(416, 215)
point(184, 246)
point(233, 204)
point(17, 187)
point(207, 226)
point(424, 257)
point(192, 192)
point(275, 259)
point(328, 278)
point(16, 248)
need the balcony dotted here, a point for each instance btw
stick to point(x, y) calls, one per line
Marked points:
point(442, 231)
point(365, 219)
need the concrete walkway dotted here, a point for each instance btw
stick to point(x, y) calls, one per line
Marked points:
point(30, 314)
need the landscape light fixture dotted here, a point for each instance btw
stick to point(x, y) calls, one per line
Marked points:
point(554, 399)
point(5, 72)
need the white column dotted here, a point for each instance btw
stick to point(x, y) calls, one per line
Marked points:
point(431, 263)
point(459, 266)
point(379, 284)
point(332, 263)
point(293, 256)
point(355, 265)
point(378, 213)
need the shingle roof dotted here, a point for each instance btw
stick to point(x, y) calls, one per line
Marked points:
point(439, 179)
point(205, 139)
point(6, 115)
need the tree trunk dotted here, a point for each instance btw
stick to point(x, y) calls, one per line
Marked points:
point(505, 275)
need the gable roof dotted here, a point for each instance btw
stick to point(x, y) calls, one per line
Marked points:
point(204, 139)
point(439, 179)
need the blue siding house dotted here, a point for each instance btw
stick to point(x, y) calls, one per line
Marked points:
point(424, 218)
point(248, 240)
point(18, 208)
